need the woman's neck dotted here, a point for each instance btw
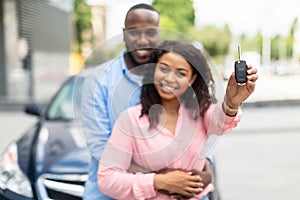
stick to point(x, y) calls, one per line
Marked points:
point(171, 107)
point(168, 119)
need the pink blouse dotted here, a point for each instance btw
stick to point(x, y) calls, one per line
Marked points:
point(157, 148)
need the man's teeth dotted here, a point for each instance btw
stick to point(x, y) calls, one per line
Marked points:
point(142, 52)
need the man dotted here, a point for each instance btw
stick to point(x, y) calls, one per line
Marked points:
point(115, 85)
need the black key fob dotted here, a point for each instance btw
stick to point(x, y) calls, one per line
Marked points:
point(240, 68)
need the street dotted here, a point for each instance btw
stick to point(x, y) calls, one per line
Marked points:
point(258, 160)
point(13, 124)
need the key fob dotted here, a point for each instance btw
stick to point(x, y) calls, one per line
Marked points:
point(240, 68)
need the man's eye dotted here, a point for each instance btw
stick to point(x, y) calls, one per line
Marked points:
point(152, 33)
point(133, 32)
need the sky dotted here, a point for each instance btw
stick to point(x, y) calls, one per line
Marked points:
point(271, 17)
point(249, 16)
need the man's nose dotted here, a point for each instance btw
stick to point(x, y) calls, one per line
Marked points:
point(143, 39)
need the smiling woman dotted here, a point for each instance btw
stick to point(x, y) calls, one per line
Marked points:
point(169, 129)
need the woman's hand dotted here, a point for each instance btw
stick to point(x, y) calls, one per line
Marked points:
point(178, 182)
point(236, 94)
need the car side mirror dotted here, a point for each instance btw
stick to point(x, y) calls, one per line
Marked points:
point(33, 109)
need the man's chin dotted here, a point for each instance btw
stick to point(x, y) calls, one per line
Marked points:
point(141, 59)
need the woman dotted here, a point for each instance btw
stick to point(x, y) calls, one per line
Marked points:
point(178, 112)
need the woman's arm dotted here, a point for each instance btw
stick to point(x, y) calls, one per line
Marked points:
point(113, 178)
point(120, 184)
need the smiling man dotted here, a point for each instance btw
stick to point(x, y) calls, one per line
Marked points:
point(115, 85)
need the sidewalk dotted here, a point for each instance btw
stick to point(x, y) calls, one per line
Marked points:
point(272, 89)
point(277, 88)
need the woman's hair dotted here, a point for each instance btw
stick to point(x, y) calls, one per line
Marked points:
point(196, 98)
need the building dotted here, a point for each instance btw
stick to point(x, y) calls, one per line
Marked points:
point(35, 44)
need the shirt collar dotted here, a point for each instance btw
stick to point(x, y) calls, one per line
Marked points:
point(126, 72)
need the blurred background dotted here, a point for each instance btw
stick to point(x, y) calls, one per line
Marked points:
point(43, 42)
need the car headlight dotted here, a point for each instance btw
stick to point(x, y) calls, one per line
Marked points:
point(11, 176)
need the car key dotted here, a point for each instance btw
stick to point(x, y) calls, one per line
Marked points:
point(240, 68)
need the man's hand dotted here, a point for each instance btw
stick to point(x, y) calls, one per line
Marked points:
point(178, 181)
point(205, 178)
point(206, 174)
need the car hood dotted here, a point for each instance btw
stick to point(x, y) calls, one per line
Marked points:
point(64, 150)
point(59, 149)
point(74, 162)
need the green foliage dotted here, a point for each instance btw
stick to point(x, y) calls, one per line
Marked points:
point(275, 47)
point(289, 45)
point(216, 41)
point(290, 39)
point(177, 15)
point(253, 43)
point(82, 18)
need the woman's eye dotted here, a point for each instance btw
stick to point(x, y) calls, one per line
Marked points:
point(163, 68)
point(180, 74)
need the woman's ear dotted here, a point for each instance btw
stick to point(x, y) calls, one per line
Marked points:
point(194, 77)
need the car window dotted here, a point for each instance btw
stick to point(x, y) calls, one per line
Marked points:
point(62, 106)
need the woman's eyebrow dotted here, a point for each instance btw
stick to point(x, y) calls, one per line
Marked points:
point(178, 69)
point(182, 69)
point(162, 63)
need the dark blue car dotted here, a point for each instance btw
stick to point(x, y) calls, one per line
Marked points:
point(50, 160)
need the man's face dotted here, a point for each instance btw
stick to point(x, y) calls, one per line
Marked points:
point(141, 33)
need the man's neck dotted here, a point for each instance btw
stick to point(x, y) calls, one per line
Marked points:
point(133, 66)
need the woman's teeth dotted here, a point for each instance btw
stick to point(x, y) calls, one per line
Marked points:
point(168, 88)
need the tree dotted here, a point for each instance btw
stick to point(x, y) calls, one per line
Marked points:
point(252, 43)
point(178, 15)
point(216, 41)
point(82, 17)
point(290, 39)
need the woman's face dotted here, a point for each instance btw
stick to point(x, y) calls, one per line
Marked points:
point(172, 76)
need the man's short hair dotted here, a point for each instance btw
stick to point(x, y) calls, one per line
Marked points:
point(141, 6)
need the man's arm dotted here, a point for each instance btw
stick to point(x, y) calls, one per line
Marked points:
point(95, 118)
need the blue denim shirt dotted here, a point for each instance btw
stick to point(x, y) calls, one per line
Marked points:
point(108, 90)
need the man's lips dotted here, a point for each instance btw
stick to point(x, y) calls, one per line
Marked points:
point(142, 52)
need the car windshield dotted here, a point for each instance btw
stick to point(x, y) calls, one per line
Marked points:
point(65, 104)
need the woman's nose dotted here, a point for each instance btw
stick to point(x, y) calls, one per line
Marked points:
point(170, 76)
